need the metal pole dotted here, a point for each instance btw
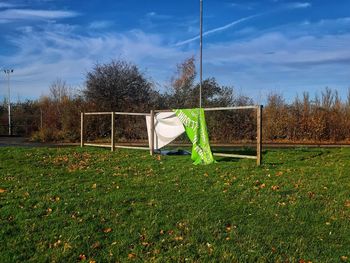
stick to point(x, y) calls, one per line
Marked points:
point(112, 131)
point(201, 55)
point(82, 115)
point(8, 72)
point(151, 150)
point(259, 134)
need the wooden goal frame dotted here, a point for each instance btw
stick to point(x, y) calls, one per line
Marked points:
point(113, 146)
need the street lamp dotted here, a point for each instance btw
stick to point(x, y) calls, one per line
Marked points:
point(8, 72)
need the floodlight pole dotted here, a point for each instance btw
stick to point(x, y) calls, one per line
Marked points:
point(201, 55)
point(8, 72)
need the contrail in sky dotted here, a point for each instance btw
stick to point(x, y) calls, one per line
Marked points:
point(218, 29)
point(244, 19)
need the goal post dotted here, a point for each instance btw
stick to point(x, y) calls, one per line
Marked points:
point(112, 144)
point(258, 109)
point(152, 114)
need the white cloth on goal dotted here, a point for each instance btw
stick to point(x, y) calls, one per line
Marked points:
point(167, 127)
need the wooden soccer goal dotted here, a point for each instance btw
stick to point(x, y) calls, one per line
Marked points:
point(113, 146)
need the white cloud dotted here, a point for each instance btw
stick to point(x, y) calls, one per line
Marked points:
point(100, 24)
point(293, 58)
point(299, 5)
point(6, 5)
point(31, 14)
point(60, 52)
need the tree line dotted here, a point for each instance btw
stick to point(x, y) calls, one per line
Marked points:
point(122, 86)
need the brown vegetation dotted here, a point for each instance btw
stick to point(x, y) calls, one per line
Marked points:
point(120, 86)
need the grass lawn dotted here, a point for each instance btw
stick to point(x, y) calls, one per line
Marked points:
point(73, 204)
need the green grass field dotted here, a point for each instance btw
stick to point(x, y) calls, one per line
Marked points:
point(72, 204)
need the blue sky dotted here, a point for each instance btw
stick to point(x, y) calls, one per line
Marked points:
point(257, 47)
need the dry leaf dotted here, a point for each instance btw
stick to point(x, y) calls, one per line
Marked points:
point(275, 187)
point(66, 247)
point(279, 173)
point(2, 191)
point(57, 243)
point(131, 255)
point(347, 203)
point(344, 258)
point(96, 245)
point(107, 230)
point(94, 186)
point(311, 195)
point(82, 257)
point(179, 238)
point(262, 186)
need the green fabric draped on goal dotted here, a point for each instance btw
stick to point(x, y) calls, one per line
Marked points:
point(196, 130)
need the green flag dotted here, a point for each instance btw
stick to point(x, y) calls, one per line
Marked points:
point(196, 130)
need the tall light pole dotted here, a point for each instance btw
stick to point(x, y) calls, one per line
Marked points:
point(8, 72)
point(201, 55)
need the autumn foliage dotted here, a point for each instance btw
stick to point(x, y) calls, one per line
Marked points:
point(121, 86)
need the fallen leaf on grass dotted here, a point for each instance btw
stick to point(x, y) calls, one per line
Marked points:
point(96, 245)
point(2, 191)
point(66, 247)
point(82, 257)
point(344, 258)
point(275, 187)
point(131, 255)
point(107, 230)
point(145, 244)
point(311, 195)
point(94, 186)
point(179, 238)
point(279, 173)
point(347, 203)
point(57, 243)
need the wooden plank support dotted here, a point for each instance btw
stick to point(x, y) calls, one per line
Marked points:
point(131, 147)
point(112, 131)
point(116, 146)
point(97, 113)
point(82, 129)
point(152, 134)
point(98, 145)
point(259, 135)
point(235, 156)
